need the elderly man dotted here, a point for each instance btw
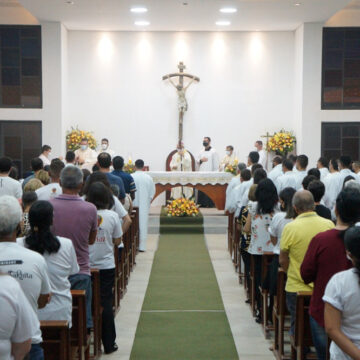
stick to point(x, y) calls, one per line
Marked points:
point(294, 243)
point(77, 220)
point(85, 156)
point(26, 266)
point(8, 186)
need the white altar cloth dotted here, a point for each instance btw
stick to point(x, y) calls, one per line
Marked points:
point(190, 177)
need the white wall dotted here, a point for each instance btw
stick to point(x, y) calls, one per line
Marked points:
point(116, 89)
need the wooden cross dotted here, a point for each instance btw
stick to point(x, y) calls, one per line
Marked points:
point(181, 91)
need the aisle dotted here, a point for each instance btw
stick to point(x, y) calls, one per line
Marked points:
point(183, 315)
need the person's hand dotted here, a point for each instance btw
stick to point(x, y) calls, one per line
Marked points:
point(204, 159)
point(174, 168)
point(61, 158)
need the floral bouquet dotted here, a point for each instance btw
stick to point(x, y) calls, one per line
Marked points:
point(129, 167)
point(182, 207)
point(281, 142)
point(74, 136)
point(231, 168)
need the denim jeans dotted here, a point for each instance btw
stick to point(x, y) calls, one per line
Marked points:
point(36, 352)
point(83, 282)
point(291, 306)
point(319, 338)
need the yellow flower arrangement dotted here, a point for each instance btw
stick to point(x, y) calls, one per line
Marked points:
point(74, 136)
point(182, 207)
point(281, 142)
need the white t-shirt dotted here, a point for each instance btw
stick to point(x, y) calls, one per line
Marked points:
point(46, 161)
point(288, 179)
point(30, 269)
point(276, 228)
point(49, 191)
point(9, 186)
point(102, 251)
point(60, 266)
point(18, 322)
point(343, 293)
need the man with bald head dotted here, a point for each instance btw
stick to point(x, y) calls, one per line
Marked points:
point(295, 240)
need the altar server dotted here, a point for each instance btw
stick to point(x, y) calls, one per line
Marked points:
point(181, 161)
point(145, 191)
point(208, 158)
point(323, 166)
point(105, 148)
point(262, 153)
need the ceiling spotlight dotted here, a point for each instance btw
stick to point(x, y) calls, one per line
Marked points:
point(228, 10)
point(142, 23)
point(70, 2)
point(139, 10)
point(223, 23)
point(297, 4)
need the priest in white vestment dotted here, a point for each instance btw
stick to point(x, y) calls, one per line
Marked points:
point(229, 158)
point(105, 148)
point(85, 156)
point(323, 166)
point(288, 178)
point(145, 191)
point(302, 162)
point(276, 170)
point(181, 161)
point(262, 153)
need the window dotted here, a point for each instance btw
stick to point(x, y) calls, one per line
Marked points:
point(20, 66)
point(341, 68)
point(340, 139)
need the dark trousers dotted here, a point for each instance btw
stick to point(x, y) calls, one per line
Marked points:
point(291, 306)
point(36, 353)
point(204, 200)
point(107, 279)
point(319, 338)
point(246, 259)
point(257, 274)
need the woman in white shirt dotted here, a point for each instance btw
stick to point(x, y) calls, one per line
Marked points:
point(60, 257)
point(342, 304)
point(102, 257)
point(258, 221)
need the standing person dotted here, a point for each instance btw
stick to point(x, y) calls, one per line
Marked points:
point(253, 158)
point(45, 155)
point(342, 302)
point(181, 161)
point(129, 183)
point(262, 153)
point(145, 191)
point(76, 219)
point(36, 165)
point(235, 181)
point(331, 182)
point(102, 257)
point(105, 148)
point(317, 188)
point(288, 178)
point(70, 158)
point(229, 158)
point(323, 166)
point(53, 189)
point(295, 240)
point(345, 170)
point(325, 257)
point(302, 162)
point(60, 258)
point(26, 266)
point(85, 156)
point(208, 160)
point(27, 200)
point(8, 186)
point(277, 169)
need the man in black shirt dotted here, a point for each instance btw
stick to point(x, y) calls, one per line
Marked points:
point(317, 188)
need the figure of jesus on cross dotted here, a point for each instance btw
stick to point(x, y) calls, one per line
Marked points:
point(181, 91)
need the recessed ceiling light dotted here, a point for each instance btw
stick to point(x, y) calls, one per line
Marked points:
point(69, 2)
point(297, 4)
point(142, 23)
point(139, 9)
point(223, 23)
point(228, 10)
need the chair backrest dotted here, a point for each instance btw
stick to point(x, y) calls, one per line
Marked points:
point(302, 322)
point(78, 333)
point(56, 339)
point(266, 260)
point(280, 292)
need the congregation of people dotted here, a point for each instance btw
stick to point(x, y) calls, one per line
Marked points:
point(55, 225)
point(307, 219)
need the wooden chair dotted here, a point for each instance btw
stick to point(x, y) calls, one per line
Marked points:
point(302, 337)
point(280, 312)
point(80, 341)
point(56, 339)
point(96, 312)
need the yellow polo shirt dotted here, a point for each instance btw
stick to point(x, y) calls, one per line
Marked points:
point(295, 240)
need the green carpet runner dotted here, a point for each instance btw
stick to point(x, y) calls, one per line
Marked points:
point(183, 315)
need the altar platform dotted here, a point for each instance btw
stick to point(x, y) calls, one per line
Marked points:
point(213, 184)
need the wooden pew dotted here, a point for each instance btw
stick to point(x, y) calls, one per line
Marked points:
point(280, 312)
point(236, 246)
point(80, 341)
point(132, 235)
point(230, 231)
point(136, 228)
point(96, 312)
point(302, 337)
point(252, 292)
point(118, 291)
point(56, 339)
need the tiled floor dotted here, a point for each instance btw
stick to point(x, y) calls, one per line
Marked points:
point(248, 336)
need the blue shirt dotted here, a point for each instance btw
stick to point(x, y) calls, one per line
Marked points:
point(127, 179)
point(117, 181)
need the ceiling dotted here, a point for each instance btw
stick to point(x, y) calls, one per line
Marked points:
point(175, 15)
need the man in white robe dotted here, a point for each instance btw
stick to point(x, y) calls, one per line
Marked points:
point(302, 162)
point(181, 161)
point(207, 160)
point(85, 156)
point(331, 185)
point(276, 170)
point(262, 153)
point(323, 166)
point(145, 191)
point(287, 179)
point(229, 158)
point(253, 158)
point(105, 148)
point(235, 181)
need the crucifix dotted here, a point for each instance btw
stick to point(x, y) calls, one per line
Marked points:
point(181, 92)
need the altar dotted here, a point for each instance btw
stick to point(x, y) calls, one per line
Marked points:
point(213, 184)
